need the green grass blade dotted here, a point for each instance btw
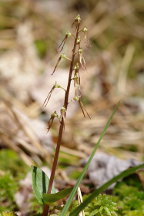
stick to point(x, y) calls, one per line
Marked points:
point(50, 198)
point(104, 187)
point(70, 199)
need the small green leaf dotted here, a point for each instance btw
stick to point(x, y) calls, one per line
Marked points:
point(96, 192)
point(50, 198)
point(40, 183)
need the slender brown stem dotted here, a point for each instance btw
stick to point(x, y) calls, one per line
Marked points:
point(61, 128)
point(71, 68)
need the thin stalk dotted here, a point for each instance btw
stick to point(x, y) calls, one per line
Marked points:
point(61, 127)
point(71, 68)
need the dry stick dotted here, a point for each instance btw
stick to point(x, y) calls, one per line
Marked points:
point(55, 162)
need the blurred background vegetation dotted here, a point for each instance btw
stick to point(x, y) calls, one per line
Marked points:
point(30, 33)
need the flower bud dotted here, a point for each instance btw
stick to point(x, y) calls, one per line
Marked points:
point(78, 40)
point(57, 86)
point(85, 29)
point(54, 115)
point(78, 18)
point(76, 98)
point(76, 67)
point(63, 109)
point(68, 34)
point(80, 51)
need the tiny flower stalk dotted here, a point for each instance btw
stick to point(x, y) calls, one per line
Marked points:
point(50, 122)
point(73, 75)
point(81, 58)
point(61, 46)
point(50, 93)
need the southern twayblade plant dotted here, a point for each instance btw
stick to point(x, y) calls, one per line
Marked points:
point(77, 62)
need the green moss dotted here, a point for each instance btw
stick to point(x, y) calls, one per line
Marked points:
point(11, 162)
point(102, 205)
point(127, 200)
point(133, 180)
point(6, 213)
point(131, 197)
point(13, 169)
point(8, 188)
point(35, 208)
